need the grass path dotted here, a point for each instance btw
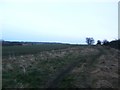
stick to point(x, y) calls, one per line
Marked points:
point(63, 73)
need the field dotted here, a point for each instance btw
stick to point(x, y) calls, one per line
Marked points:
point(31, 49)
point(59, 66)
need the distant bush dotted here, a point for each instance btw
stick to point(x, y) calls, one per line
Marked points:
point(98, 42)
point(105, 42)
point(113, 44)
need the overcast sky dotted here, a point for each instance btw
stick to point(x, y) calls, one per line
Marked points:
point(68, 21)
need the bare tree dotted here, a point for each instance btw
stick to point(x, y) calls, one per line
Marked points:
point(90, 41)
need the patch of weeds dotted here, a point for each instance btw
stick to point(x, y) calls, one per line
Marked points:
point(34, 78)
point(67, 82)
point(8, 79)
point(83, 80)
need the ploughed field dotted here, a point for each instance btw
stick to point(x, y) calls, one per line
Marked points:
point(60, 66)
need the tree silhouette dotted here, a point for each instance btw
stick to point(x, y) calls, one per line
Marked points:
point(90, 41)
point(105, 42)
point(98, 42)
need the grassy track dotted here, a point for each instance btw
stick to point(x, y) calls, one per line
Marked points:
point(93, 74)
point(79, 60)
point(73, 67)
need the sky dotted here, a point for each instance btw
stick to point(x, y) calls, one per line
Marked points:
point(66, 21)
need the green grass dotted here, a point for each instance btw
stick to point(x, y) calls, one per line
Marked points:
point(32, 49)
point(38, 75)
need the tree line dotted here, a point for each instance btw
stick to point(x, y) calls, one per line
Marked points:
point(91, 41)
point(114, 43)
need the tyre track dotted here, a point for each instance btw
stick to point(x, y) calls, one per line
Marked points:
point(64, 72)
